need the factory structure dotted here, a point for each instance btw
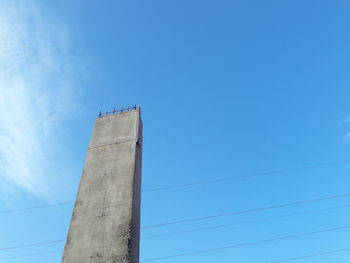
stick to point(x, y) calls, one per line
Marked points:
point(105, 225)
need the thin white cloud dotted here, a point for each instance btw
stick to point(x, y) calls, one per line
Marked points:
point(347, 137)
point(37, 93)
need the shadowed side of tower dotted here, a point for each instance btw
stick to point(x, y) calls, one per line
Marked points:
point(105, 225)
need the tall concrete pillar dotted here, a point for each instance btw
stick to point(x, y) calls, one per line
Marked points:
point(105, 225)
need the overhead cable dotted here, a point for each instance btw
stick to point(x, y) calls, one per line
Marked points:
point(313, 255)
point(210, 216)
point(283, 171)
point(246, 222)
point(33, 244)
point(246, 244)
point(35, 207)
point(193, 230)
point(248, 211)
point(32, 255)
point(196, 183)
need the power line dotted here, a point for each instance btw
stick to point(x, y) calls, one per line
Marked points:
point(205, 217)
point(223, 248)
point(193, 230)
point(35, 207)
point(313, 255)
point(245, 222)
point(33, 244)
point(248, 211)
point(283, 171)
point(31, 255)
point(218, 226)
point(194, 183)
point(247, 244)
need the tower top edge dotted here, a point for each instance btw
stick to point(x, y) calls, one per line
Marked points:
point(118, 111)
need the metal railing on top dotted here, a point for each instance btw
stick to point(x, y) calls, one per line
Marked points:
point(116, 111)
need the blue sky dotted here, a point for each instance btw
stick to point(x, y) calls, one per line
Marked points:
point(227, 88)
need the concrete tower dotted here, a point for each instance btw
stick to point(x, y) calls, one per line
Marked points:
point(105, 225)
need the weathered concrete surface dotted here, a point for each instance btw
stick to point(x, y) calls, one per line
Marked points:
point(105, 225)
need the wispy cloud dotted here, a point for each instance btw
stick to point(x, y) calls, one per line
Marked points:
point(347, 137)
point(37, 93)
